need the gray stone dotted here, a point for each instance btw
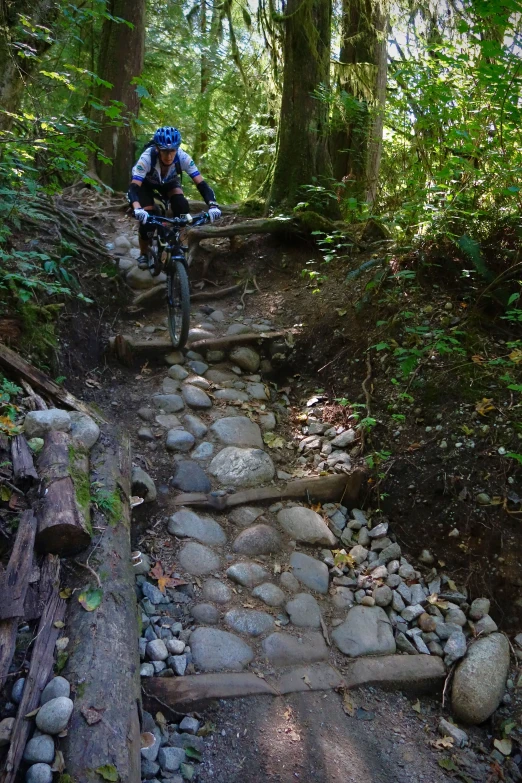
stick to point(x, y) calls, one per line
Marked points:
point(366, 631)
point(170, 386)
point(238, 431)
point(40, 749)
point(379, 531)
point(249, 621)
point(343, 598)
point(168, 421)
point(39, 773)
point(177, 372)
point(194, 425)
point(231, 395)
point(179, 440)
point(18, 689)
point(404, 592)
point(175, 646)
point(122, 242)
point(407, 571)
point(344, 439)
point(38, 423)
point(216, 591)
point(383, 595)
point(190, 477)
point(435, 649)
point(237, 467)
point(196, 397)
point(53, 716)
point(153, 593)
point(218, 316)
point(198, 367)
point(243, 516)
point(267, 421)
point(207, 614)
point(479, 608)
point(257, 540)
point(447, 729)
point(412, 612)
point(303, 524)
point(270, 594)
point(444, 630)
point(157, 650)
point(187, 524)
point(146, 670)
point(392, 552)
point(189, 725)
point(169, 403)
point(455, 647)
point(246, 358)
point(215, 650)
point(6, 730)
point(480, 679)
point(359, 554)
point(238, 329)
point(151, 754)
point(170, 759)
point(485, 626)
point(149, 769)
point(282, 649)
point(397, 602)
point(247, 574)
point(404, 644)
point(310, 572)
point(84, 430)
point(418, 596)
point(178, 664)
point(143, 485)
point(145, 433)
point(289, 582)
point(204, 451)
point(257, 391)
point(455, 616)
point(304, 611)
point(159, 666)
point(198, 560)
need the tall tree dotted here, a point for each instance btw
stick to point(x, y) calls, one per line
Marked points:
point(356, 141)
point(24, 36)
point(120, 62)
point(302, 148)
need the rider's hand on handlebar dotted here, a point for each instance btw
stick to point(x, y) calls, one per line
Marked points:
point(141, 214)
point(214, 213)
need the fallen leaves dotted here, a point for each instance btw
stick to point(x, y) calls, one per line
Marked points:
point(91, 598)
point(505, 746)
point(273, 441)
point(108, 772)
point(91, 715)
point(416, 707)
point(165, 578)
point(484, 406)
point(442, 743)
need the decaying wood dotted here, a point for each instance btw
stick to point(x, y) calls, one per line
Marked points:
point(125, 346)
point(345, 487)
point(157, 295)
point(27, 372)
point(22, 458)
point(8, 629)
point(213, 343)
point(279, 226)
point(101, 658)
point(39, 592)
point(63, 515)
point(15, 578)
point(40, 670)
point(38, 402)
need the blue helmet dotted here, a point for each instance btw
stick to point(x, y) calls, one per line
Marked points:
point(167, 138)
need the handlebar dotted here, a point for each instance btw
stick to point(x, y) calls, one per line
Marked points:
point(181, 222)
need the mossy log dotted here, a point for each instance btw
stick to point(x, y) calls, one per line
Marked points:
point(63, 509)
point(103, 665)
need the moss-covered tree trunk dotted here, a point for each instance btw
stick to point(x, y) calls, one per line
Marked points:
point(120, 61)
point(356, 142)
point(16, 41)
point(302, 148)
point(210, 40)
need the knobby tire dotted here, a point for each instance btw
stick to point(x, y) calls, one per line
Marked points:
point(178, 303)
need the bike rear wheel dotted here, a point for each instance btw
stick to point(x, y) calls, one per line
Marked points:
point(155, 264)
point(178, 303)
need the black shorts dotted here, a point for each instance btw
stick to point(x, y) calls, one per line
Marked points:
point(148, 191)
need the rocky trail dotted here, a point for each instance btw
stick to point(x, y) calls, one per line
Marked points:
point(287, 605)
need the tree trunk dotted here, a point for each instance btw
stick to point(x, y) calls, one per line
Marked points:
point(302, 149)
point(209, 43)
point(357, 143)
point(120, 61)
point(15, 70)
point(103, 665)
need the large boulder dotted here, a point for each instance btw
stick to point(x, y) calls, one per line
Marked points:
point(37, 423)
point(480, 679)
point(238, 431)
point(366, 631)
point(235, 467)
point(303, 524)
point(214, 650)
point(246, 358)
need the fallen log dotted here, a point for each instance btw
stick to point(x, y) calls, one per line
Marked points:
point(212, 343)
point(344, 488)
point(279, 226)
point(103, 665)
point(27, 372)
point(39, 593)
point(42, 661)
point(8, 629)
point(23, 466)
point(15, 579)
point(158, 294)
point(63, 510)
point(38, 402)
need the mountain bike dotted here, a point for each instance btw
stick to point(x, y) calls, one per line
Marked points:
point(167, 254)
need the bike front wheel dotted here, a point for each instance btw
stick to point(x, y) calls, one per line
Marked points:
point(178, 303)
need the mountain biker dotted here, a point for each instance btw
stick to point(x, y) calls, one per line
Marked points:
point(159, 170)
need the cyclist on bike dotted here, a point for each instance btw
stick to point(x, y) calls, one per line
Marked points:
point(159, 170)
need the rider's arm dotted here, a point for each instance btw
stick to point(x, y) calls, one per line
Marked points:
point(139, 171)
point(134, 193)
point(188, 165)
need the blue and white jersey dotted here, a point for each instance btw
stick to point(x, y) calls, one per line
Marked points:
point(148, 167)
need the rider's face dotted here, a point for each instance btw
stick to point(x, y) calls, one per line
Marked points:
point(167, 156)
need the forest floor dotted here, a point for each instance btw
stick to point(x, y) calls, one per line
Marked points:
point(432, 451)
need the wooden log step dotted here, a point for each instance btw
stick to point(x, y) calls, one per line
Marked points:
point(23, 466)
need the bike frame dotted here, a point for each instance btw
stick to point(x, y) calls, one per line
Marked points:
point(168, 231)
